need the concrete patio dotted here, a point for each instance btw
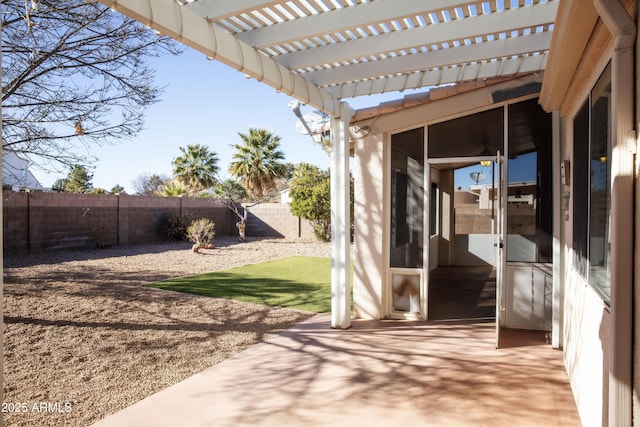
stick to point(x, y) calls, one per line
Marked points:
point(378, 373)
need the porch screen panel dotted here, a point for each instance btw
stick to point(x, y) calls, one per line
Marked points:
point(529, 205)
point(479, 134)
point(407, 195)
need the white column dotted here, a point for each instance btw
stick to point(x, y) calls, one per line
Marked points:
point(340, 221)
point(558, 237)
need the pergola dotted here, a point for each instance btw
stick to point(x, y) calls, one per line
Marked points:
point(324, 51)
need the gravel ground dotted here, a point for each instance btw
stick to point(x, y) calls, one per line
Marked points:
point(84, 339)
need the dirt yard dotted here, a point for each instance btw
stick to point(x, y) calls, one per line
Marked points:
point(84, 339)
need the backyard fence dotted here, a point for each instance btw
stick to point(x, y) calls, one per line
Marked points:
point(42, 220)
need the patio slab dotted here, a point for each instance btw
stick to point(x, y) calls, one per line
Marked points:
point(376, 373)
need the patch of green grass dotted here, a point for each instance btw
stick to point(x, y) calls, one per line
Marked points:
point(297, 282)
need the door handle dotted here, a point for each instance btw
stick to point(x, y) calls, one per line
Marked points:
point(495, 245)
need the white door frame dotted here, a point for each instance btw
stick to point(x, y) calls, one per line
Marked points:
point(427, 238)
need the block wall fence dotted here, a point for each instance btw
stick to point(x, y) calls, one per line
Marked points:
point(47, 221)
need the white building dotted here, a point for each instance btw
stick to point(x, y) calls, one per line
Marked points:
point(16, 173)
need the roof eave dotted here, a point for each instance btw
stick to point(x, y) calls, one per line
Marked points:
point(572, 30)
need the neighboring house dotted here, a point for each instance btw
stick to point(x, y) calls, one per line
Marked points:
point(16, 174)
point(552, 79)
point(285, 196)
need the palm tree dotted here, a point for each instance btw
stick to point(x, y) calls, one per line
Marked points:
point(230, 189)
point(196, 168)
point(257, 161)
point(173, 188)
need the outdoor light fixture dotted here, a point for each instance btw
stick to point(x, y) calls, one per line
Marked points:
point(486, 153)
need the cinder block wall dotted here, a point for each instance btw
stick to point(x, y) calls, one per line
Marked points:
point(275, 219)
point(42, 221)
point(15, 221)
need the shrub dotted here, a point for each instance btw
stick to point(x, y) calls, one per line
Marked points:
point(175, 226)
point(310, 192)
point(99, 235)
point(200, 233)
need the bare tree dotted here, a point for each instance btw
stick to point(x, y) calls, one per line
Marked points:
point(146, 184)
point(73, 75)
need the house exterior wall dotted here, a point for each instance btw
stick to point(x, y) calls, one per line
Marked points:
point(586, 349)
point(586, 316)
point(589, 326)
point(369, 256)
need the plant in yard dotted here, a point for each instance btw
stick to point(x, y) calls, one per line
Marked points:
point(232, 191)
point(175, 226)
point(310, 193)
point(257, 161)
point(200, 233)
point(99, 235)
point(173, 188)
point(299, 282)
point(196, 168)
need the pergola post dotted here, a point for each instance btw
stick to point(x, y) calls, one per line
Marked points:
point(340, 220)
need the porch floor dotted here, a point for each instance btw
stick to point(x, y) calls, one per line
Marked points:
point(378, 373)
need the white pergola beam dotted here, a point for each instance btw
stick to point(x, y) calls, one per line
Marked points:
point(341, 20)
point(483, 70)
point(478, 52)
point(221, 9)
point(184, 25)
point(526, 17)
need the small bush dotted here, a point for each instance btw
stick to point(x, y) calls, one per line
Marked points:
point(99, 235)
point(200, 233)
point(175, 226)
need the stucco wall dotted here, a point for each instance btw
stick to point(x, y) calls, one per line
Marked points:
point(586, 318)
point(369, 259)
point(586, 350)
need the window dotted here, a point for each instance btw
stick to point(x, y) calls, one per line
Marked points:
point(530, 190)
point(407, 198)
point(592, 186)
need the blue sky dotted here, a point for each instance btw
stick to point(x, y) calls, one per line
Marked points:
point(208, 102)
point(522, 168)
point(203, 102)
